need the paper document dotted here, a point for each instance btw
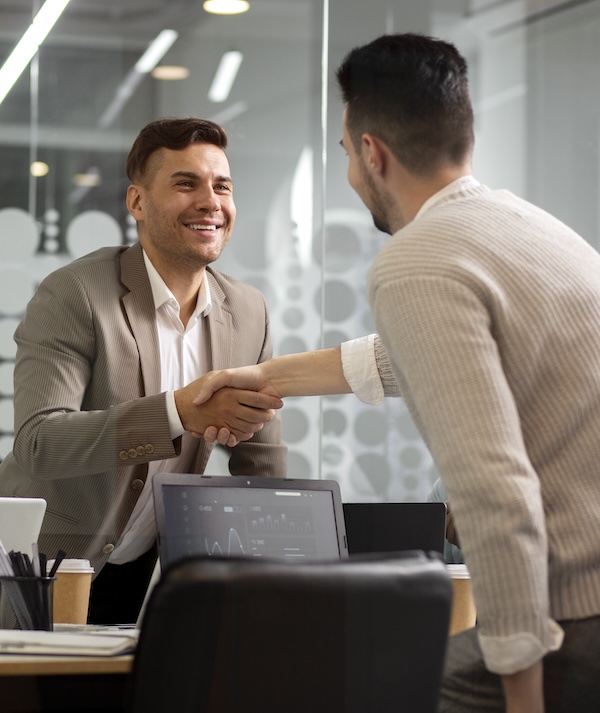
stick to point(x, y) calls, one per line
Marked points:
point(104, 643)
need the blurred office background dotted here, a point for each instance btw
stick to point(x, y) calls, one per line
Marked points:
point(302, 236)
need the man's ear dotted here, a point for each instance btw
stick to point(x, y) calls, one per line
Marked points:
point(134, 201)
point(374, 153)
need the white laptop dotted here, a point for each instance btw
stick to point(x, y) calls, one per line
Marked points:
point(21, 522)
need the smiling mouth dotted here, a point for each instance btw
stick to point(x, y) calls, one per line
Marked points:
point(199, 226)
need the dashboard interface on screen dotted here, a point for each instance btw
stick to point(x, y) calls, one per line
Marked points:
point(254, 522)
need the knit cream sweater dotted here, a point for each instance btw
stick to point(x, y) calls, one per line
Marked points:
point(489, 310)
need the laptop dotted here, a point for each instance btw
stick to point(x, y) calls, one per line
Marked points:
point(248, 516)
point(21, 522)
point(393, 527)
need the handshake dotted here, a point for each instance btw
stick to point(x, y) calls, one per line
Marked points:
point(231, 405)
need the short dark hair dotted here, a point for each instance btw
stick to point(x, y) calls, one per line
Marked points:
point(171, 133)
point(411, 91)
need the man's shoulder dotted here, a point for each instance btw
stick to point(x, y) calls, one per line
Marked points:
point(109, 255)
point(94, 261)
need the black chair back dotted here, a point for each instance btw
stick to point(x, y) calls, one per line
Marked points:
point(363, 635)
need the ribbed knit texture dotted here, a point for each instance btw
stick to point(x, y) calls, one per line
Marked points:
point(489, 309)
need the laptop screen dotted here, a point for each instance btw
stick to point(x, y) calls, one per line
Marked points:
point(250, 516)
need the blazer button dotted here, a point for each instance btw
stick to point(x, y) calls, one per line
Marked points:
point(149, 448)
point(141, 451)
point(123, 455)
point(137, 484)
point(107, 549)
point(132, 453)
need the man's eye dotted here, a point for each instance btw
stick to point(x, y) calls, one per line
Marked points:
point(222, 187)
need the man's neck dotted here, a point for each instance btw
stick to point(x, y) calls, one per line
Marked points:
point(186, 293)
point(184, 284)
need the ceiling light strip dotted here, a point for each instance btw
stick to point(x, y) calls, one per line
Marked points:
point(157, 49)
point(28, 45)
point(225, 76)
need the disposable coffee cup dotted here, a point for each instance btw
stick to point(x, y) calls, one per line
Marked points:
point(463, 614)
point(72, 591)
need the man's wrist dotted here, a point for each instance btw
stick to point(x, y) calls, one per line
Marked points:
point(524, 690)
point(176, 426)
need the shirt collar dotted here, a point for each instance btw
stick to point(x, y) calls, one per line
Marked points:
point(161, 294)
point(460, 184)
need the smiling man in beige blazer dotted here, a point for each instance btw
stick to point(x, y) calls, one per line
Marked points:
point(108, 355)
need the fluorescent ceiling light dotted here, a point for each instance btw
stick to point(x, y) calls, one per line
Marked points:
point(146, 63)
point(225, 76)
point(28, 45)
point(226, 7)
point(157, 49)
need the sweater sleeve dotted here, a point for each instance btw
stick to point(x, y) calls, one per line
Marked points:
point(367, 369)
point(441, 339)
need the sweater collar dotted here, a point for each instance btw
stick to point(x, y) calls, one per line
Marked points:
point(460, 185)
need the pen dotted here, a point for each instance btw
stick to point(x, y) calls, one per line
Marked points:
point(60, 555)
point(6, 569)
point(17, 563)
point(43, 566)
point(36, 559)
point(28, 566)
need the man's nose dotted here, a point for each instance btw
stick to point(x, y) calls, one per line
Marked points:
point(207, 199)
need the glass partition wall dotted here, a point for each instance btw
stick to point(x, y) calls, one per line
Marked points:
point(302, 236)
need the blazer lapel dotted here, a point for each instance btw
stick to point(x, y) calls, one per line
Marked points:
point(219, 327)
point(138, 304)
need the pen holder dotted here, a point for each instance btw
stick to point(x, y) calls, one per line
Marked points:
point(29, 600)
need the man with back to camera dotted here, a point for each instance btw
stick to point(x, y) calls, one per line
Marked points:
point(488, 311)
point(108, 354)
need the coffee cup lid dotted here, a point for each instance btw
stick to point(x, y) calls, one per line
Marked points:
point(458, 571)
point(72, 565)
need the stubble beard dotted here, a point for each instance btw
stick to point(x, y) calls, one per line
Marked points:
point(380, 206)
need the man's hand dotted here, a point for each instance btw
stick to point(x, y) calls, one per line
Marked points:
point(305, 374)
point(246, 377)
point(251, 378)
point(242, 413)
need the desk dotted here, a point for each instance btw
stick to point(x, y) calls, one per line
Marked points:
point(64, 683)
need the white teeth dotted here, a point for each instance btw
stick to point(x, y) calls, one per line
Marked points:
point(202, 227)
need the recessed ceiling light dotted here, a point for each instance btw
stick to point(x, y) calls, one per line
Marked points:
point(226, 7)
point(39, 169)
point(166, 71)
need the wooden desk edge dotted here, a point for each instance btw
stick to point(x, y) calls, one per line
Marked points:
point(16, 665)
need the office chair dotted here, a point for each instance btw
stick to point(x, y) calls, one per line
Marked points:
point(242, 635)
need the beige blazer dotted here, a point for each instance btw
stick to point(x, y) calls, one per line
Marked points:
point(89, 415)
